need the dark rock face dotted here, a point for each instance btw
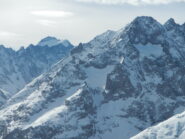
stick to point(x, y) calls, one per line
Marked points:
point(170, 24)
point(77, 49)
point(118, 82)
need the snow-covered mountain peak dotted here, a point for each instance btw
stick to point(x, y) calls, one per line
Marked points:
point(171, 21)
point(170, 24)
point(145, 22)
point(48, 39)
point(53, 41)
point(144, 29)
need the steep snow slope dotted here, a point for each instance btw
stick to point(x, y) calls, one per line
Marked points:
point(115, 86)
point(173, 128)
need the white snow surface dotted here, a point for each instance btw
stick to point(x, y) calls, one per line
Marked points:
point(97, 77)
point(173, 128)
point(149, 50)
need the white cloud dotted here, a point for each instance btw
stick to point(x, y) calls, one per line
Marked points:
point(46, 22)
point(5, 34)
point(132, 2)
point(47, 13)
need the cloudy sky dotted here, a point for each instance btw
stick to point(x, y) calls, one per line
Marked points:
point(27, 21)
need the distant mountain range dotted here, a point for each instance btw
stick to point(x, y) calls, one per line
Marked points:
point(113, 87)
point(20, 67)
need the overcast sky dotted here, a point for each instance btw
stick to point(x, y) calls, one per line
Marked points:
point(27, 21)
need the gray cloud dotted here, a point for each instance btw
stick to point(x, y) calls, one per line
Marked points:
point(132, 2)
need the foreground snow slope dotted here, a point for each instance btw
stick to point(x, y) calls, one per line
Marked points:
point(173, 128)
point(115, 86)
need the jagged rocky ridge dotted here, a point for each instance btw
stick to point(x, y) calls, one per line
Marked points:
point(19, 67)
point(116, 85)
